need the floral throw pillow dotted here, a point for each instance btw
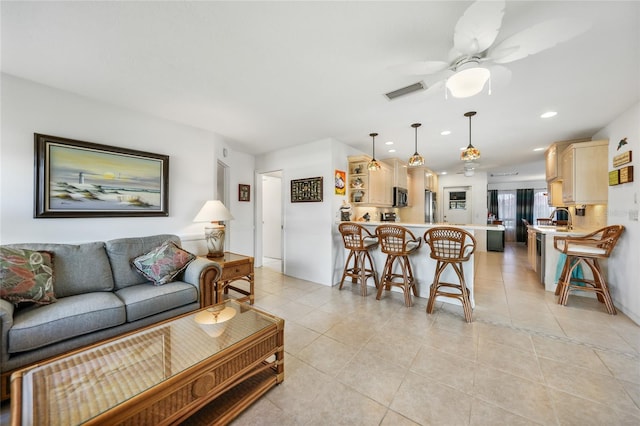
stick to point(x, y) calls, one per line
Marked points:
point(163, 263)
point(26, 276)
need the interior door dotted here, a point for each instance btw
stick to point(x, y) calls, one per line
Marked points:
point(457, 205)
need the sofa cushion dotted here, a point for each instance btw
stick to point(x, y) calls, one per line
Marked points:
point(122, 251)
point(78, 269)
point(163, 263)
point(35, 327)
point(147, 299)
point(26, 276)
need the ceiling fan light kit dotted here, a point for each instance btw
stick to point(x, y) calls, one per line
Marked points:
point(468, 82)
point(416, 159)
point(373, 165)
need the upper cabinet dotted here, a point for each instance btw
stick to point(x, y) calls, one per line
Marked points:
point(399, 169)
point(553, 161)
point(366, 187)
point(584, 173)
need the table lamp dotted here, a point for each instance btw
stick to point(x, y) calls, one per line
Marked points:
point(214, 211)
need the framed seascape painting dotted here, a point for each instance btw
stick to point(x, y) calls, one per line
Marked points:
point(84, 179)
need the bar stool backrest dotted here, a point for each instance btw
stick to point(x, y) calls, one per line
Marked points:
point(356, 237)
point(604, 239)
point(395, 239)
point(450, 244)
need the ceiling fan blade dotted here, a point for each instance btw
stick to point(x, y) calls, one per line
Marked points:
point(420, 68)
point(500, 76)
point(537, 38)
point(478, 27)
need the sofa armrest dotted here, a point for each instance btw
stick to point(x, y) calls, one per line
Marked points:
point(201, 271)
point(6, 322)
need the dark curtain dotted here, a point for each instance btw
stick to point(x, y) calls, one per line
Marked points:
point(492, 202)
point(524, 210)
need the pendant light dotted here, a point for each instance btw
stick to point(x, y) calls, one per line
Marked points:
point(373, 165)
point(416, 159)
point(470, 153)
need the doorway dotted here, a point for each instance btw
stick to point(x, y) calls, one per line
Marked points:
point(457, 205)
point(272, 223)
point(222, 194)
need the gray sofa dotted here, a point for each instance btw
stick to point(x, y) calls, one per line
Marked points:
point(99, 295)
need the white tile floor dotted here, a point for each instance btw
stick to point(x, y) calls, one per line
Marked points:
point(524, 360)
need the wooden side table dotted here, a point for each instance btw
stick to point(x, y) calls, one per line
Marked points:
point(235, 267)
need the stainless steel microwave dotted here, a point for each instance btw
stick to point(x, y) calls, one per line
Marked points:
point(400, 197)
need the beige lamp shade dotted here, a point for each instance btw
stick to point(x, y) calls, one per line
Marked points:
point(213, 211)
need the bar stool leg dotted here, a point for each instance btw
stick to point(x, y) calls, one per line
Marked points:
point(346, 267)
point(376, 279)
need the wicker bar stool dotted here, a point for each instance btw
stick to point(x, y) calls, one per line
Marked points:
point(358, 240)
point(397, 243)
point(587, 250)
point(450, 246)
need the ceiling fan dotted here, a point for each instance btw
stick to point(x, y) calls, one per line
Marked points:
point(469, 169)
point(474, 58)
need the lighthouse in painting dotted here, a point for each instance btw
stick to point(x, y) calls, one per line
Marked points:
point(81, 177)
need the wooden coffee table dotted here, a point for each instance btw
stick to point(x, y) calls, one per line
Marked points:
point(185, 370)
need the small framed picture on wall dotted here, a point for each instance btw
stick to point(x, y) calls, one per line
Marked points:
point(244, 192)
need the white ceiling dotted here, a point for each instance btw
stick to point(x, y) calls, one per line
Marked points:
point(269, 75)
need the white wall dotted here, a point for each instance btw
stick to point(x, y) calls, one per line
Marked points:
point(307, 226)
point(624, 263)
point(527, 184)
point(478, 184)
point(29, 108)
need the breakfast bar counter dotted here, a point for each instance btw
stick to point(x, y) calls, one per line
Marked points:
point(423, 266)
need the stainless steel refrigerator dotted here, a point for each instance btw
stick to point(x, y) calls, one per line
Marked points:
point(430, 206)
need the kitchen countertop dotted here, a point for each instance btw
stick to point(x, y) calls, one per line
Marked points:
point(560, 230)
point(487, 227)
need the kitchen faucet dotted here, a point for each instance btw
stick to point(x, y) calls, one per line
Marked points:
point(563, 209)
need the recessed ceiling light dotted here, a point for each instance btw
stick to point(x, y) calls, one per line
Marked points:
point(549, 114)
point(445, 132)
point(539, 149)
point(388, 143)
point(443, 173)
point(392, 150)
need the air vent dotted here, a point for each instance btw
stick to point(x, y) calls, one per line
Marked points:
point(504, 174)
point(406, 90)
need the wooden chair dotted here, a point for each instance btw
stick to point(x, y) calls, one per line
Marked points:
point(450, 246)
point(397, 242)
point(587, 250)
point(358, 240)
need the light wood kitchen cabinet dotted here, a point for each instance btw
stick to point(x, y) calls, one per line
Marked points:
point(399, 172)
point(369, 188)
point(381, 184)
point(584, 173)
point(554, 194)
point(552, 160)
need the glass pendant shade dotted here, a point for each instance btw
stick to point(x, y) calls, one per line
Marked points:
point(373, 165)
point(470, 153)
point(468, 82)
point(416, 159)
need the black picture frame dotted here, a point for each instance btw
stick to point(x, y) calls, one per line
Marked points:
point(244, 192)
point(77, 179)
point(306, 190)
